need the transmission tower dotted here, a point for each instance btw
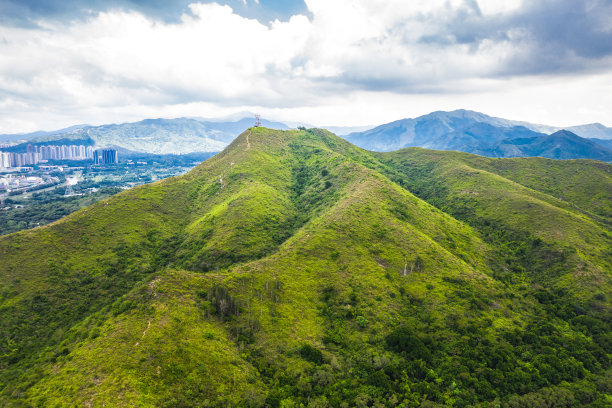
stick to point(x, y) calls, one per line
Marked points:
point(68, 191)
point(257, 120)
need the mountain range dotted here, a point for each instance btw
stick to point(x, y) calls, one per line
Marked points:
point(296, 269)
point(155, 136)
point(477, 133)
point(22, 137)
point(461, 130)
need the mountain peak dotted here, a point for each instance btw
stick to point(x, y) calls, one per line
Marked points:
point(478, 133)
point(565, 133)
point(267, 140)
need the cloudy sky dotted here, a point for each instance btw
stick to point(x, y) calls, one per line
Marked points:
point(324, 62)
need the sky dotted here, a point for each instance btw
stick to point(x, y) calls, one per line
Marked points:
point(321, 62)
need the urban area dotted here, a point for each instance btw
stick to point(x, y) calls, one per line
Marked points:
point(46, 182)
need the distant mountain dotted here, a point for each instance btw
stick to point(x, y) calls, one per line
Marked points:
point(231, 129)
point(602, 142)
point(592, 131)
point(345, 130)
point(41, 133)
point(560, 145)
point(461, 130)
point(474, 132)
point(160, 136)
point(442, 130)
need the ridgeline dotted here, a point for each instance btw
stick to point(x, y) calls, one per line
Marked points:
point(295, 269)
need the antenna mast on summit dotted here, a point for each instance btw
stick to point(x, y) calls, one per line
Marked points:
point(257, 120)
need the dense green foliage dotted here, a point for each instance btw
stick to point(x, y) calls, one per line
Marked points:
point(44, 208)
point(294, 269)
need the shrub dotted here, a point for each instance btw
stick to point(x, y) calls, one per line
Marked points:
point(312, 354)
point(402, 340)
point(362, 322)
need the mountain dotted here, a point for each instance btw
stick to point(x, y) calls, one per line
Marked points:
point(295, 269)
point(592, 131)
point(461, 130)
point(41, 133)
point(560, 145)
point(158, 136)
point(231, 129)
point(442, 130)
point(602, 142)
point(477, 133)
point(345, 130)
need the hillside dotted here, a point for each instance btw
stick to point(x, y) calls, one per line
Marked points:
point(474, 132)
point(295, 269)
point(605, 143)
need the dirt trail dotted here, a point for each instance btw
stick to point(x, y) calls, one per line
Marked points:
point(248, 143)
point(143, 333)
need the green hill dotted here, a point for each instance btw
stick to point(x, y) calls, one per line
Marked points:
point(295, 269)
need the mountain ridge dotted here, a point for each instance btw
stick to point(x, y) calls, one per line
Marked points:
point(296, 268)
point(443, 130)
point(158, 136)
point(474, 132)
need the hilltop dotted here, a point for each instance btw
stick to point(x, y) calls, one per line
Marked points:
point(296, 269)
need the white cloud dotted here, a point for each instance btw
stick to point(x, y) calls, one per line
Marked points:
point(492, 7)
point(353, 62)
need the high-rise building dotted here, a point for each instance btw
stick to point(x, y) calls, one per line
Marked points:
point(10, 159)
point(35, 154)
point(110, 156)
point(106, 156)
point(66, 152)
point(5, 160)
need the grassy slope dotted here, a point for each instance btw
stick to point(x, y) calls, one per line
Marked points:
point(487, 192)
point(312, 259)
point(54, 276)
point(582, 183)
point(137, 357)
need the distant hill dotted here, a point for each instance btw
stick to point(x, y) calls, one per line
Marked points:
point(592, 131)
point(41, 133)
point(461, 130)
point(603, 142)
point(560, 145)
point(474, 132)
point(157, 136)
point(442, 130)
point(294, 269)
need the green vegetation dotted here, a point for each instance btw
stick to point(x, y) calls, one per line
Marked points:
point(44, 208)
point(294, 269)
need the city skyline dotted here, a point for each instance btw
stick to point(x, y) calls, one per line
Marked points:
point(42, 153)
